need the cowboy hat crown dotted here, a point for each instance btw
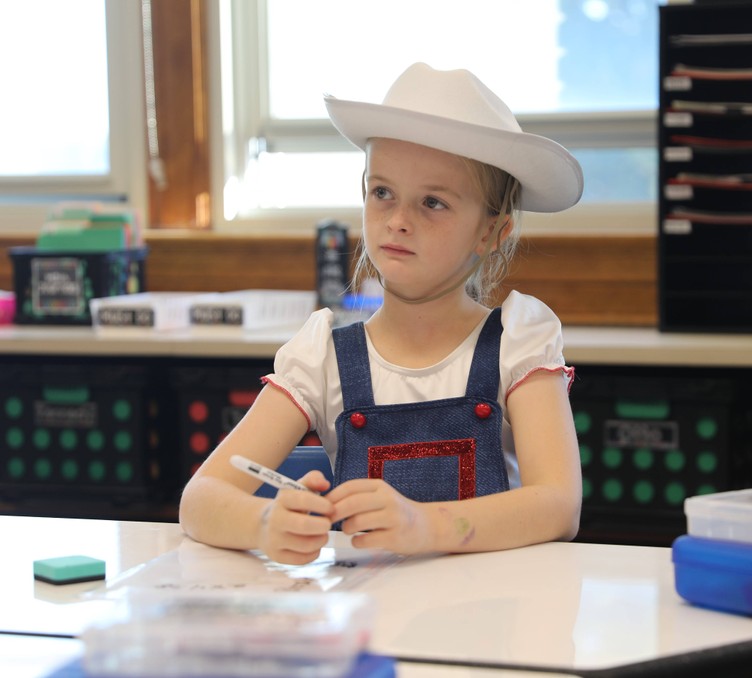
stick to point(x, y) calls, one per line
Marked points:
point(454, 111)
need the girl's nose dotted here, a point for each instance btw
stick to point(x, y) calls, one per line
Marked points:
point(400, 219)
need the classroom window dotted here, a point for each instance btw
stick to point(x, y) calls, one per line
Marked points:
point(583, 72)
point(60, 126)
point(71, 123)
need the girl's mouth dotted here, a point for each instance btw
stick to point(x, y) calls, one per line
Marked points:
point(396, 249)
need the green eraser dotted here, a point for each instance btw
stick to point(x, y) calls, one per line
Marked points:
point(69, 569)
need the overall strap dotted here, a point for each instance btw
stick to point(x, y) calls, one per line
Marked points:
point(354, 367)
point(483, 380)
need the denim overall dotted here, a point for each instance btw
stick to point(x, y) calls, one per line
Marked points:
point(436, 450)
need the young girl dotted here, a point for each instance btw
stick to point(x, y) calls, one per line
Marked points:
point(448, 424)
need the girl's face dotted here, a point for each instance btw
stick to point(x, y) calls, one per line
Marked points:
point(424, 218)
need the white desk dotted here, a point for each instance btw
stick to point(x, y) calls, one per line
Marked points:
point(553, 606)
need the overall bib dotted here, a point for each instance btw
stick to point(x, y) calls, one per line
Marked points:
point(436, 450)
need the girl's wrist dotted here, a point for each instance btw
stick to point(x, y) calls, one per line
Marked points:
point(451, 530)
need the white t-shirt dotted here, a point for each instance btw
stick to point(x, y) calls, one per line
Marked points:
point(306, 369)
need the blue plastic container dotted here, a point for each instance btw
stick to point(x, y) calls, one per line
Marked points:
point(714, 573)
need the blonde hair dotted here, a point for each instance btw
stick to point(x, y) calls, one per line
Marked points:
point(501, 194)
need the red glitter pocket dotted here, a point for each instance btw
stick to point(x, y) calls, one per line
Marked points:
point(463, 449)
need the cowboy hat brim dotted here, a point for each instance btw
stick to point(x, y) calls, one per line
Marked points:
point(550, 178)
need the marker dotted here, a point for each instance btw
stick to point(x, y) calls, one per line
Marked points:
point(265, 474)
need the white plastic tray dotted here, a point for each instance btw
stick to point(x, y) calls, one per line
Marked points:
point(144, 312)
point(251, 310)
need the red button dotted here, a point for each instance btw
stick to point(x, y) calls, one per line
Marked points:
point(358, 420)
point(199, 442)
point(483, 410)
point(198, 411)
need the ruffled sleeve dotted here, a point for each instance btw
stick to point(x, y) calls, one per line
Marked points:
point(531, 341)
point(302, 367)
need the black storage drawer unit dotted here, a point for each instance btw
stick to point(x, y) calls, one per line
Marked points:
point(651, 437)
point(705, 141)
point(72, 431)
point(211, 400)
point(119, 436)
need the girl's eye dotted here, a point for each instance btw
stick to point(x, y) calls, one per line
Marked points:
point(382, 193)
point(434, 203)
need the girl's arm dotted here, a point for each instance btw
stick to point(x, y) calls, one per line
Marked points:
point(218, 507)
point(545, 508)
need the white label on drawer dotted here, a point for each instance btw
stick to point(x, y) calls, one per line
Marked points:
point(677, 154)
point(207, 314)
point(63, 415)
point(656, 435)
point(677, 119)
point(677, 226)
point(123, 316)
point(678, 192)
point(677, 83)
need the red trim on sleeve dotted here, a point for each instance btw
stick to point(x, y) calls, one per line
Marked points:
point(266, 380)
point(569, 371)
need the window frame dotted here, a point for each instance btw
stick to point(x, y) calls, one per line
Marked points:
point(25, 201)
point(245, 110)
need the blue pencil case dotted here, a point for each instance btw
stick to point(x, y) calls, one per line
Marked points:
point(366, 666)
point(714, 573)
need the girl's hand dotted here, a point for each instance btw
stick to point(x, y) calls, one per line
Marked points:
point(295, 525)
point(385, 518)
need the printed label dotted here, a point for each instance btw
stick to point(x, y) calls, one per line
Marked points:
point(677, 226)
point(216, 315)
point(122, 316)
point(65, 416)
point(677, 83)
point(57, 286)
point(677, 154)
point(678, 192)
point(656, 435)
point(677, 119)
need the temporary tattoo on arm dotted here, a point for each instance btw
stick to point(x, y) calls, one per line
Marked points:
point(463, 528)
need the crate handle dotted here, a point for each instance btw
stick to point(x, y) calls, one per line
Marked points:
point(74, 395)
point(629, 409)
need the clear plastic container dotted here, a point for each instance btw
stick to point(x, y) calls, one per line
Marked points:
point(723, 515)
point(285, 635)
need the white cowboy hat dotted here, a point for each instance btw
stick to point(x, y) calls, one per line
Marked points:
point(453, 111)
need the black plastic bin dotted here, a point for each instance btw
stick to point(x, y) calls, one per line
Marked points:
point(55, 287)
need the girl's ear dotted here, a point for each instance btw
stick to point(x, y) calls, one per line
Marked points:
point(496, 229)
